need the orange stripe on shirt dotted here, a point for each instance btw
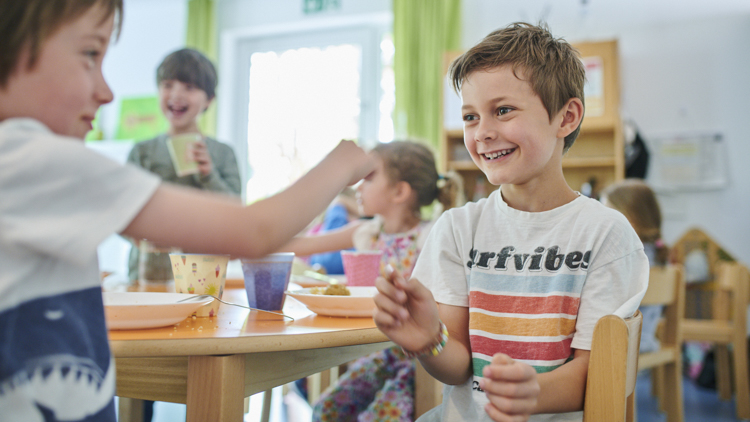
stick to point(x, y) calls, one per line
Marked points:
point(535, 327)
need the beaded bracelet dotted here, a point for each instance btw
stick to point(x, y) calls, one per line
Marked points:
point(432, 350)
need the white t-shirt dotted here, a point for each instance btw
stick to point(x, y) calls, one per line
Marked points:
point(58, 201)
point(535, 284)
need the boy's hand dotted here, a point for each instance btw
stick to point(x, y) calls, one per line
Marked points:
point(512, 388)
point(348, 153)
point(200, 155)
point(406, 312)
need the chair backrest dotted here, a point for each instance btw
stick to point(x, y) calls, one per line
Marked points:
point(699, 300)
point(666, 286)
point(613, 366)
point(733, 280)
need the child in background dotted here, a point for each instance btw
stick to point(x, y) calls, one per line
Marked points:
point(503, 300)
point(635, 199)
point(60, 200)
point(187, 85)
point(405, 180)
point(342, 211)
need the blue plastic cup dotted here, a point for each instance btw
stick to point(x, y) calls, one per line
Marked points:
point(266, 280)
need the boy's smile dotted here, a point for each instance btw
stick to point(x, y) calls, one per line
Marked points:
point(511, 138)
point(182, 103)
point(507, 130)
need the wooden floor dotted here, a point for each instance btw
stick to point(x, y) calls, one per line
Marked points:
point(700, 405)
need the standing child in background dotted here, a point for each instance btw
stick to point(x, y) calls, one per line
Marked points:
point(515, 283)
point(637, 202)
point(404, 180)
point(187, 85)
point(60, 200)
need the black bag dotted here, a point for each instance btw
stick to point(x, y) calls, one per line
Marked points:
point(707, 377)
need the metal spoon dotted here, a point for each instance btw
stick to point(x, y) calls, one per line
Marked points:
point(201, 297)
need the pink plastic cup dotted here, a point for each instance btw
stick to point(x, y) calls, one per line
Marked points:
point(361, 267)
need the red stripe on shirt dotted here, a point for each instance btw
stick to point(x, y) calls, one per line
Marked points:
point(524, 304)
point(539, 351)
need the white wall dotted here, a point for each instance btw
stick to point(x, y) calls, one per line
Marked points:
point(679, 78)
point(689, 78)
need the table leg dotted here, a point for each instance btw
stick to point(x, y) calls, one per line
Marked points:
point(215, 388)
point(265, 412)
point(129, 410)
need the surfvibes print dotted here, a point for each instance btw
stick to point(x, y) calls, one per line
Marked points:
point(517, 298)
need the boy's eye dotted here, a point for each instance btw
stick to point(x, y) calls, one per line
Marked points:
point(503, 110)
point(469, 117)
point(91, 56)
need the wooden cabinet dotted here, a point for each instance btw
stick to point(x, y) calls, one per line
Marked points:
point(596, 157)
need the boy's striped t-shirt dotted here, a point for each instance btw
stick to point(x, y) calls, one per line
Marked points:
point(534, 284)
point(529, 318)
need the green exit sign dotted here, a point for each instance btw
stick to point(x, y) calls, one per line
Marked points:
point(318, 6)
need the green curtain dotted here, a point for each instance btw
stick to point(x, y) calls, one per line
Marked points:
point(423, 30)
point(201, 35)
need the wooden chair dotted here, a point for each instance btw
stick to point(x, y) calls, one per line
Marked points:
point(613, 367)
point(667, 287)
point(724, 321)
point(428, 392)
point(728, 326)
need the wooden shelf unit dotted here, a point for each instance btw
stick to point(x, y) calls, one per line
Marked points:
point(597, 153)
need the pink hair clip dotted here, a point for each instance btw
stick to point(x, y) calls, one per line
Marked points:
point(659, 243)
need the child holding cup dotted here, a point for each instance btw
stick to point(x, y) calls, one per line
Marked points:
point(405, 179)
point(187, 86)
point(61, 200)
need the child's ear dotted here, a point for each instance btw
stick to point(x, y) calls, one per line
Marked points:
point(572, 113)
point(403, 191)
point(208, 104)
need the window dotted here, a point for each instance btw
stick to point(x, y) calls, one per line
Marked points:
point(298, 94)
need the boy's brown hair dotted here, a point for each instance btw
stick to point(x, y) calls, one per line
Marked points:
point(191, 67)
point(28, 24)
point(551, 66)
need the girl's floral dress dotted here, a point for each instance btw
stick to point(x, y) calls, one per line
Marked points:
point(378, 387)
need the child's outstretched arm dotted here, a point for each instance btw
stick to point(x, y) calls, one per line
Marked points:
point(210, 223)
point(515, 390)
point(408, 315)
point(335, 240)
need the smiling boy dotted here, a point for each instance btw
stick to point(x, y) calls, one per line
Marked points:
point(187, 82)
point(518, 280)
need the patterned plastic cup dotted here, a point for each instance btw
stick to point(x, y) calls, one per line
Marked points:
point(361, 267)
point(200, 274)
point(266, 280)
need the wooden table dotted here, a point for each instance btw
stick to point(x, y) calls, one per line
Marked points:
point(212, 364)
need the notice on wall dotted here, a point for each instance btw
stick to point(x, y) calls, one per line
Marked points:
point(690, 163)
point(593, 90)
